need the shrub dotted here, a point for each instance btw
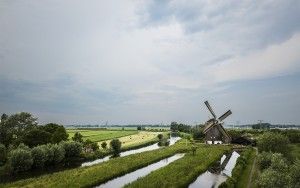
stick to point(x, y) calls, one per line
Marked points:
point(295, 174)
point(2, 154)
point(39, 156)
point(160, 136)
point(115, 145)
point(77, 137)
point(49, 154)
point(264, 160)
point(104, 145)
point(36, 137)
point(95, 146)
point(271, 178)
point(72, 149)
point(273, 142)
point(20, 160)
point(58, 153)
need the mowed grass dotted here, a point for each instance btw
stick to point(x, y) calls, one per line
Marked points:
point(99, 135)
point(141, 137)
point(183, 171)
point(97, 174)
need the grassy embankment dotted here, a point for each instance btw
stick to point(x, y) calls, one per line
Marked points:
point(183, 171)
point(95, 175)
point(100, 135)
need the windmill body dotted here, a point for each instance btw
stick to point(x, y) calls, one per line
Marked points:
point(213, 129)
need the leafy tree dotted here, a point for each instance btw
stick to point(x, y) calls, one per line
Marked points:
point(20, 160)
point(4, 117)
point(39, 156)
point(95, 146)
point(58, 153)
point(60, 134)
point(198, 134)
point(115, 145)
point(139, 128)
point(273, 142)
point(160, 136)
point(104, 145)
point(49, 154)
point(3, 154)
point(36, 137)
point(77, 137)
point(264, 160)
point(72, 149)
point(271, 178)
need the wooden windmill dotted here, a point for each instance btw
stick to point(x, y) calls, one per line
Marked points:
point(213, 129)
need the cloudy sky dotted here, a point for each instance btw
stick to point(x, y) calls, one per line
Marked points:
point(88, 62)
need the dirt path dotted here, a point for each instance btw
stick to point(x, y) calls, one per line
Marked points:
point(252, 169)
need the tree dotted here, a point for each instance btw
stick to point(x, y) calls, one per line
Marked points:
point(160, 136)
point(60, 134)
point(271, 178)
point(104, 145)
point(198, 134)
point(77, 137)
point(273, 142)
point(72, 149)
point(39, 157)
point(115, 145)
point(2, 154)
point(58, 153)
point(139, 128)
point(36, 137)
point(4, 117)
point(20, 160)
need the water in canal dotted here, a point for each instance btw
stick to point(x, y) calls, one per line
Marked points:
point(132, 176)
point(213, 177)
point(155, 146)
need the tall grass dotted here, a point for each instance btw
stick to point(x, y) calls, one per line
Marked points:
point(183, 171)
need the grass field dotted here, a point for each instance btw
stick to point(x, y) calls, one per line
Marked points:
point(295, 150)
point(183, 172)
point(99, 135)
point(136, 139)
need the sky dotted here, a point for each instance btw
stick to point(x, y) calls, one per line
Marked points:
point(140, 62)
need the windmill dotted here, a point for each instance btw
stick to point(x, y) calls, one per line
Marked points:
point(213, 129)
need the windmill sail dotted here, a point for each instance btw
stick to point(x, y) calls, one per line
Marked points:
point(225, 115)
point(210, 109)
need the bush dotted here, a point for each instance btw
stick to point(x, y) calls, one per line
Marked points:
point(58, 153)
point(264, 160)
point(115, 145)
point(39, 156)
point(295, 174)
point(2, 154)
point(36, 137)
point(273, 142)
point(77, 137)
point(104, 145)
point(49, 154)
point(20, 160)
point(72, 149)
point(160, 136)
point(271, 178)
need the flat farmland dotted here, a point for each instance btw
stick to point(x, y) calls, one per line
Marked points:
point(100, 135)
point(136, 139)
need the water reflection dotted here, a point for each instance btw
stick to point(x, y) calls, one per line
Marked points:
point(217, 174)
point(155, 146)
point(132, 176)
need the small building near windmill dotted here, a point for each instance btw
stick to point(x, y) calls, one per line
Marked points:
point(215, 133)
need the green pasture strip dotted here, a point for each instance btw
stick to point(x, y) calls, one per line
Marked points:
point(99, 135)
point(183, 171)
point(97, 174)
point(244, 178)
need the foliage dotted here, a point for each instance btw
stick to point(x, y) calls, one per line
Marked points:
point(4, 117)
point(198, 134)
point(72, 149)
point(261, 126)
point(20, 160)
point(270, 178)
point(3, 154)
point(104, 145)
point(160, 136)
point(115, 145)
point(39, 156)
point(60, 134)
point(273, 142)
point(139, 128)
point(264, 160)
point(295, 174)
point(58, 153)
point(180, 127)
point(97, 174)
point(36, 137)
point(77, 137)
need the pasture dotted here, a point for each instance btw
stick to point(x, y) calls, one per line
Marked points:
point(100, 135)
point(132, 140)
